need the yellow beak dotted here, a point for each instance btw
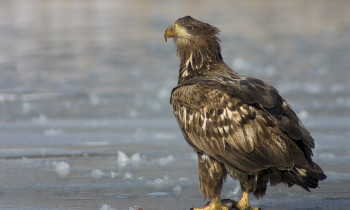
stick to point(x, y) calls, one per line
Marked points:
point(170, 32)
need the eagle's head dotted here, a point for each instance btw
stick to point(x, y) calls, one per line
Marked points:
point(188, 29)
point(196, 42)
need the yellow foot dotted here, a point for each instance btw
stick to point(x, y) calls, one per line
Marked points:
point(226, 204)
point(244, 206)
point(208, 207)
point(214, 205)
point(231, 204)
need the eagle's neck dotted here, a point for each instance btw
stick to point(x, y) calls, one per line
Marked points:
point(196, 60)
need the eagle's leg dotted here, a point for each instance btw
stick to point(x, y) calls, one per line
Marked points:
point(243, 203)
point(211, 177)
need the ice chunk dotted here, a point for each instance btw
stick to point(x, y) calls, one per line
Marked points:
point(62, 169)
point(157, 194)
point(122, 159)
point(52, 132)
point(166, 160)
point(135, 158)
point(41, 119)
point(160, 183)
point(183, 179)
point(106, 207)
point(114, 174)
point(128, 175)
point(97, 174)
point(177, 190)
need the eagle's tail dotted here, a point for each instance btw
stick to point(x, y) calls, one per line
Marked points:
point(306, 177)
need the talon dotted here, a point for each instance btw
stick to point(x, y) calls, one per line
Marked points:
point(225, 204)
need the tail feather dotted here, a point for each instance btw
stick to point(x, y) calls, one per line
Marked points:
point(305, 177)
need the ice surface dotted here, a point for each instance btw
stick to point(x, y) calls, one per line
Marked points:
point(40, 119)
point(235, 193)
point(85, 118)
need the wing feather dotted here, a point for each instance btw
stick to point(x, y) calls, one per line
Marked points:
point(244, 123)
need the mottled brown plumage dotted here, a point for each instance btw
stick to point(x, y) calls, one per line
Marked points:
point(238, 125)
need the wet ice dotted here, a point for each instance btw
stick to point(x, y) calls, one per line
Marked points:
point(85, 118)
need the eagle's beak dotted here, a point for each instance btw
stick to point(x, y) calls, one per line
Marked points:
point(170, 32)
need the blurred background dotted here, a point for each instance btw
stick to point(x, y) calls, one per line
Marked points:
point(85, 119)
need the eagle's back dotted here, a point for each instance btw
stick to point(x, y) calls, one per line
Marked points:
point(242, 122)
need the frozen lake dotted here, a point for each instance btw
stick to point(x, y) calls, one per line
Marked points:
point(85, 120)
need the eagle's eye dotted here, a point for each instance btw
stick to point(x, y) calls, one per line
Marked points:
point(189, 28)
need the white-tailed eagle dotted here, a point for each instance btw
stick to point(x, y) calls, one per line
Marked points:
point(239, 126)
